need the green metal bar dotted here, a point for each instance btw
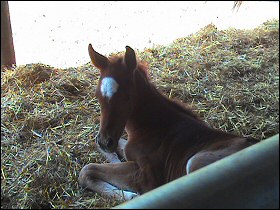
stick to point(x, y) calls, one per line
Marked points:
point(246, 179)
point(8, 57)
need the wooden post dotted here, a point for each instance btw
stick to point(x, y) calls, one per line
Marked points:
point(7, 46)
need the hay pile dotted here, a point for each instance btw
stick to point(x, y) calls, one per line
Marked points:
point(49, 117)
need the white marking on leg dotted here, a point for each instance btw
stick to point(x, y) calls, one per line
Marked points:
point(111, 191)
point(189, 165)
point(109, 87)
point(110, 157)
point(121, 147)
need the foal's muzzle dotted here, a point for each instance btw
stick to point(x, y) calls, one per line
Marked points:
point(107, 144)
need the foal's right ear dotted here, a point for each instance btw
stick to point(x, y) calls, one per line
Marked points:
point(130, 58)
point(98, 60)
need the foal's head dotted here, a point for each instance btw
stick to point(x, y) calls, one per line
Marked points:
point(114, 93)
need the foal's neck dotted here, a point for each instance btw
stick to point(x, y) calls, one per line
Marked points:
point(153, 110)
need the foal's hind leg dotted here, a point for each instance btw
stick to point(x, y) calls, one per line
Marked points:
point(114, 180)
point(217, 152)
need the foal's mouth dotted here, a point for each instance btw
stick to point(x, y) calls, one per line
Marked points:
point(106, 144)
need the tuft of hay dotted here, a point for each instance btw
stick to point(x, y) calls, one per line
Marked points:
point(49, 117)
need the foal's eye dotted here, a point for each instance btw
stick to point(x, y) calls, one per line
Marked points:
point(125, 96)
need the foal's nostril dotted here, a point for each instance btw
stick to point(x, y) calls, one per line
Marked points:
point(109, 142)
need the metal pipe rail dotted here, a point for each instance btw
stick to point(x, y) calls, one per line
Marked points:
point(246, 179)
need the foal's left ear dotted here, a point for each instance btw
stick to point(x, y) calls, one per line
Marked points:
point(130, 58)
point(98, 60)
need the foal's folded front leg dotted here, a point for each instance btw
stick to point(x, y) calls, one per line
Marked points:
point(115, 157)
point(120, 149)
point(116, 180)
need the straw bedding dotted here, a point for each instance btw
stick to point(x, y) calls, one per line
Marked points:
point(49, 116)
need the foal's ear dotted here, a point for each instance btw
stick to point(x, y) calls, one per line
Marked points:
point(98, 60)
point(130, 58)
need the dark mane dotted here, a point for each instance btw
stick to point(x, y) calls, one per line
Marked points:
point(177, 105)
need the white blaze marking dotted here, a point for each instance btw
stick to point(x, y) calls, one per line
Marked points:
point(109, 86)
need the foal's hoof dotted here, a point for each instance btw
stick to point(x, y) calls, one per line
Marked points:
point(132, 195)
